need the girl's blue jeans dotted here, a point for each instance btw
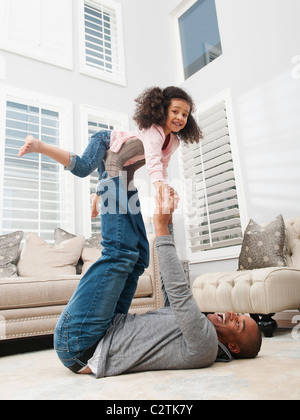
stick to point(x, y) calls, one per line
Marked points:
point(93, 156)
point(109, 285)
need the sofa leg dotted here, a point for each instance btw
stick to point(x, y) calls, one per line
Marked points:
point(255, 317)
point(266, 323)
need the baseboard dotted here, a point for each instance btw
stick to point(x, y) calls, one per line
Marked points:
point(287, 319)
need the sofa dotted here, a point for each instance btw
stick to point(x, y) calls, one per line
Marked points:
point(267, 280)
point(37, 279)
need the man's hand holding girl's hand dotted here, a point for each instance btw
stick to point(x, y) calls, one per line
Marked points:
point(166, 201)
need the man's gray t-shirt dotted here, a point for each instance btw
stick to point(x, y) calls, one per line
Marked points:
point(175, 337)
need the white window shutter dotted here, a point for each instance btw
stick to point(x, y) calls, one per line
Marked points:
point(36, 191)
point(95, 125)
point(101, 45)
point(211, 208)
point(41, 29)
point(95, 120)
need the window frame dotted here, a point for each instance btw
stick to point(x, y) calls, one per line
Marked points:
point(65, 110)
point(102, 116)
point(116, 77)
point(177, 13)
point(230, 252)
point(38, 52)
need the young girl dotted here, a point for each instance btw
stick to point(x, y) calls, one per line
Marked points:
point(163, 117)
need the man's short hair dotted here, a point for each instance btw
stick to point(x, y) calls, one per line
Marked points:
point(250, 348)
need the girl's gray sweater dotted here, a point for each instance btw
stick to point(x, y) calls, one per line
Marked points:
point(175, 337)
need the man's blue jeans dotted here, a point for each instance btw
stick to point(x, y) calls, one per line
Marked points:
point(109, 285)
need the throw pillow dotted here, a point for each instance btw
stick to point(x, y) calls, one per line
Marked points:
point(60, 236)
point(94, 241)
point(9, 253)
point(263, 246)
point(89, 257)
point(91, 251)
point(39, 257)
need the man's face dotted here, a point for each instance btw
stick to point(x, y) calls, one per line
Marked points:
point(233, 329)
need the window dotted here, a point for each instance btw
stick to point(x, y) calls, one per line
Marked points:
point(198, 35)
point(211, 205)
point(94, 127)
point(101, 43)
point(40, 29)
point(94, 121)
point(37, 195)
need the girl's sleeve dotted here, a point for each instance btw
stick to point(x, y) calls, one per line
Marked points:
point(166, 159)
point(157, 161)
point(153, 143)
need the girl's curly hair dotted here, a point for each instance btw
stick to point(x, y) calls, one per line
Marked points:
point(152, 108)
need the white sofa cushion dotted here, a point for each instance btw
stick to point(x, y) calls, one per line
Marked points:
point(262, 291)
point(37, 291)
point(293, 241)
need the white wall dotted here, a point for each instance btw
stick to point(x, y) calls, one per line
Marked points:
point(260, 66)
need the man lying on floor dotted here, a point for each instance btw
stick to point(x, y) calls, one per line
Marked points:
point(95, 334)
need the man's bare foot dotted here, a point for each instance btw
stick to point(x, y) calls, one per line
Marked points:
point(86, 371)
point(31, 145)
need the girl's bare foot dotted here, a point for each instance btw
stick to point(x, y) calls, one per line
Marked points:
point(31, 145)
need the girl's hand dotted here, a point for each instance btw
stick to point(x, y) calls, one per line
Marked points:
point(163, 192)
point(95, 205)
point(166, 203)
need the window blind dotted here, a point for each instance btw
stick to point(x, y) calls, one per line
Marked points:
point(104, 55)
point(99, 26)
point(41, 29)
point(211, 208)
point(35, 196)
point(94, 125)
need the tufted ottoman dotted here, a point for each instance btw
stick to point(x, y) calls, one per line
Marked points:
point(261, 292)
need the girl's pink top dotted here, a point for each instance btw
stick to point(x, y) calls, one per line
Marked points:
point(153, 139)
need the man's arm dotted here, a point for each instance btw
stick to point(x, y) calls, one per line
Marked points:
point(197, 331)
point(166, 203)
